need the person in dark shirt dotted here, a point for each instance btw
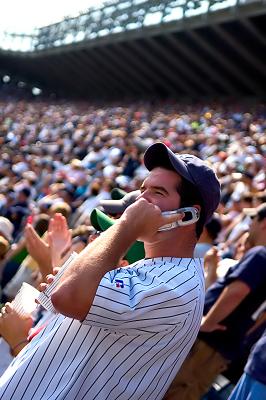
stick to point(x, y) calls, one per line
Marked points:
point(235, 324)
point(252, 384)
point(229, 305)
point(19, 209)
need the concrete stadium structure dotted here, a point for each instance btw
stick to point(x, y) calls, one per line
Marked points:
point(143, 48)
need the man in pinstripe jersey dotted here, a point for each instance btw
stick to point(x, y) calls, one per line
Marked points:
point(123, 333)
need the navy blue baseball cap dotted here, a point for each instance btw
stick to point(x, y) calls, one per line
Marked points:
point(191, 168)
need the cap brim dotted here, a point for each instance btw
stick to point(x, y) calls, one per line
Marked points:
point(100, 221)
point(9, 238)
point(251, 212)
point(159, 155)
point(6, 235)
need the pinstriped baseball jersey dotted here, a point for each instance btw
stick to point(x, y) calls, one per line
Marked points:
point(143, 321)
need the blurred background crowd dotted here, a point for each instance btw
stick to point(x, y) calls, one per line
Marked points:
point(63, 157)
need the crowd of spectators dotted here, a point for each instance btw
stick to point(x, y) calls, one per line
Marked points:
point(66, 158)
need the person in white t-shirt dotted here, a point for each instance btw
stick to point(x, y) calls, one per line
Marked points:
point(123, 333)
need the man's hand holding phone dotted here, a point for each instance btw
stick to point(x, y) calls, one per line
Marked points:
point(147, 218)
point(188, 216)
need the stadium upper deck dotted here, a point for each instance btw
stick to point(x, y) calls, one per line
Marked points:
point(187, 48)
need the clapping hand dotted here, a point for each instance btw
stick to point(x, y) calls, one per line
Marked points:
point(49, 254)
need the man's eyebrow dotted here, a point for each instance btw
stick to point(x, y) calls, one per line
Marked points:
point(161, 188)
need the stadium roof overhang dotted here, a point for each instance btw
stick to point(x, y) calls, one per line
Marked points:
point(217, 54)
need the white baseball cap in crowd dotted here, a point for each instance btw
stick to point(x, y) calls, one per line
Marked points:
point(6, 228)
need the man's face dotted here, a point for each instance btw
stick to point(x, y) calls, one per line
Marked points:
point(161, 189)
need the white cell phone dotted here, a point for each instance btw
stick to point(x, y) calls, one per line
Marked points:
point(192, 215)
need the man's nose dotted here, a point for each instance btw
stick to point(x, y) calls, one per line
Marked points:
point(145, 195)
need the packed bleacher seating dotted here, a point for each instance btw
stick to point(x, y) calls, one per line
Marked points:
point(66, 158)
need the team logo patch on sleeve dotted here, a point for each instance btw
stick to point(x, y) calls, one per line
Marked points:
point(119, 283)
